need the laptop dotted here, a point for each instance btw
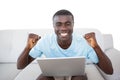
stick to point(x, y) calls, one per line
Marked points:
point(65, 66)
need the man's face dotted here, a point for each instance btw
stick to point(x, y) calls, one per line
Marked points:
point(63, 26)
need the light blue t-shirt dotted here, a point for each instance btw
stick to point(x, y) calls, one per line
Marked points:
point(49, 47)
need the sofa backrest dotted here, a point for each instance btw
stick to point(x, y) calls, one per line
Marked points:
point(107, 41)
point(14, 41)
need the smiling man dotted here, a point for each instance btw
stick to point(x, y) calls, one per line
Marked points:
point(64, 43)
point(63, 26)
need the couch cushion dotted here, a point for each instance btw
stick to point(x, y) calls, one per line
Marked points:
point(8, 71)
point(32, 71)
point(93, 73)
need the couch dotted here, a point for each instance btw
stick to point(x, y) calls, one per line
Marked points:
point(13, 42)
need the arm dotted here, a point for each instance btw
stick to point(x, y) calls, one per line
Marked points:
point(24, 59)
point(104, 62)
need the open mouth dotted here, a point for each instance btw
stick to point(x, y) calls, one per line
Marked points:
point(63, 34)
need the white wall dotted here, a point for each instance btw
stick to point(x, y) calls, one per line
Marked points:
point(101, 14)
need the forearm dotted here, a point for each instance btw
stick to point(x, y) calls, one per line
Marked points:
point(22, 61)
point(104, 62)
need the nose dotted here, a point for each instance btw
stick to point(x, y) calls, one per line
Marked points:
point(63, 27)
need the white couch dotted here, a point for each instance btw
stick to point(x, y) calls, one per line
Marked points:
point(13, 42)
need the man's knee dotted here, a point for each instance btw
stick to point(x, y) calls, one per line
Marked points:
point(41, 77)
point(81, 77)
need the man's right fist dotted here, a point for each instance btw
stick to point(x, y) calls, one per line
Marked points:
point(32, 40)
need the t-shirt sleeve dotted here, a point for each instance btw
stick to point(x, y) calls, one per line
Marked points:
point(92, 55)
point(89, 52)
point(36, 51)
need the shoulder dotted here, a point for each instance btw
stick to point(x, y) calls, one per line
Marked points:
point(80, 40)
point(78, 37)
point(47, 38)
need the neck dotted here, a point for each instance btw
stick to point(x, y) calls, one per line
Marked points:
point(65, 44)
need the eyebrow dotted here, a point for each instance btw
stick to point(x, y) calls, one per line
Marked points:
point(65, 22)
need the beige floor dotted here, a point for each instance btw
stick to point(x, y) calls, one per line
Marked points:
point(8, 71)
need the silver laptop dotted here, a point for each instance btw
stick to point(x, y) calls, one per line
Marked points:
point(69, 66)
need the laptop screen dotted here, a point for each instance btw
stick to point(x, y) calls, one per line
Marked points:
point(65, 66)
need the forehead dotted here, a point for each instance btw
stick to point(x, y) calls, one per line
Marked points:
point(62, 18)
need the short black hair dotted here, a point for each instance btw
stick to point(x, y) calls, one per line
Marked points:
point(63, 12)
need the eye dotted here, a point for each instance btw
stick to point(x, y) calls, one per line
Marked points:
point(58, 24)
point(68, 23)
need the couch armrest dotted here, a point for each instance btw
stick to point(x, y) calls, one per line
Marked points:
point(107, 41)
point(114, 56)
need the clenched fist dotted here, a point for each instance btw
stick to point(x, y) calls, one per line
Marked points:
point(90, 37)
point(32, 40)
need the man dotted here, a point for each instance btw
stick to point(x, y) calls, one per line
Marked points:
point(64, 43)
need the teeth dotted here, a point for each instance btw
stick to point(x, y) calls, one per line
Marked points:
point(63, 34)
